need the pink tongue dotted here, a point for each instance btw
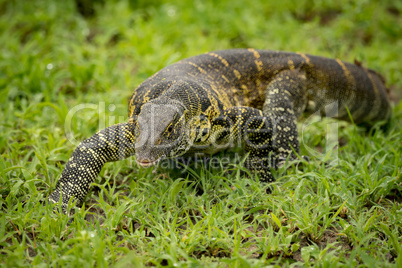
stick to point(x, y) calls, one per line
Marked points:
point(145, 164)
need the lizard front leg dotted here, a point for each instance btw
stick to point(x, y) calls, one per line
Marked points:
point(111, 144)
point(249, 127)
point(285, 101)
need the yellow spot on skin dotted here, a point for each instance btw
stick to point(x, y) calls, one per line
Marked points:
point(198, 67)
point(255, 52)
point(237, 73)
point(274, 91)
point(258, 82)
point(224, 78)
point(291, 65)
point(346, 71)
point(374, 84)
point(307, 59)
point(220, 58)
point(258, 63)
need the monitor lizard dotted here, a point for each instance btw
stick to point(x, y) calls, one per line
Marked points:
point(221, 99)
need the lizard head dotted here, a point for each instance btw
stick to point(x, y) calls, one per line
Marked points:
point(160, 131)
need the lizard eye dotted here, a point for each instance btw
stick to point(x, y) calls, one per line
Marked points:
point(170, 129)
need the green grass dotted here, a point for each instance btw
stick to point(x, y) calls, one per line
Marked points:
point(343, 208)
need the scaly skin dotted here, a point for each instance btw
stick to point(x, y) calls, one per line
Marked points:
point(222, 99)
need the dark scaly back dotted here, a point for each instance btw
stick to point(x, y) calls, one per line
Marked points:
point(239, 77)
point(227, 78)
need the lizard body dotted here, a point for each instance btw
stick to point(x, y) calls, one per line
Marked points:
point(219, 99)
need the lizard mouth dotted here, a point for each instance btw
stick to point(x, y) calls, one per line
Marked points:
point(146, 163)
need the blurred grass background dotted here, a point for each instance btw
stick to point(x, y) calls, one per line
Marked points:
point(55, 55)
